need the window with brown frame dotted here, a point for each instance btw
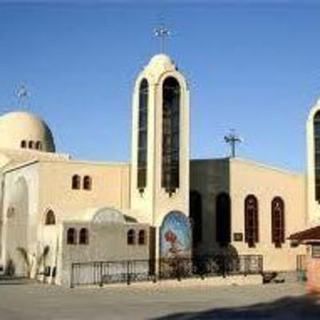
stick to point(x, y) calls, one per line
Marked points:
point(71, 236)
point(87, 183)
point(316, 133)
point(31, 144)
point(142, 237)
point(76, 182)
point(170, 177)
point(277, 221)
point(50, 218)
point(131, 237)
point(251, 221)
point(84, 236)
point(223, 219)
point(143, 135)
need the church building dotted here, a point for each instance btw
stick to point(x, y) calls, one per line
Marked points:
point(56, 210)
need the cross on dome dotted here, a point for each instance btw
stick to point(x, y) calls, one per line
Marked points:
point(22, 94)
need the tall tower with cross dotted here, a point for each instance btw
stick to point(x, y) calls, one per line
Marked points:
point(160, 141)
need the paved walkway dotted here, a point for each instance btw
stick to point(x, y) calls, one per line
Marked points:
point(276, 301)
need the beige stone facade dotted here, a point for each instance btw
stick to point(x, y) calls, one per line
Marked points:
point(110, 199)
point(240, 178)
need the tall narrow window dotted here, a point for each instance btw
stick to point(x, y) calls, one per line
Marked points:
point(31, 144)
point(131, 237)
point(277, 222)
point(84, 236)
point(87, 183)
point(196, 216)
point(71, 236)
point(316, 128)
point(143, 135)
point(223, 219)
point(76, 182)
point(23, 144)
point(251, 221)
point(142, 237)
point(170, 135)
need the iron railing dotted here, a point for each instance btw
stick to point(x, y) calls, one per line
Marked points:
point(127, 271)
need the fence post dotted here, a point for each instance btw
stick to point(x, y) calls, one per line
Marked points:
point(101, 274)
point(261, 264)
point(224, 269)
point(71, 280)
point(128, 273)
point(154, 261)
point(246, 265)
point(178, 270)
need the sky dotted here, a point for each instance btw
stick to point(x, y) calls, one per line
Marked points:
point(252, 66)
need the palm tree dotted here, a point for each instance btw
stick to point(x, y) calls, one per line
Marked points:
point(26, 258)
point(28, 261)
point(42, 257)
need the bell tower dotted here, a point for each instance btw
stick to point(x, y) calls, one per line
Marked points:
point(313, 164)
point(160, 142)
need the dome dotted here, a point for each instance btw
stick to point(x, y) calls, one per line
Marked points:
point(108, 215)
point(25, 130)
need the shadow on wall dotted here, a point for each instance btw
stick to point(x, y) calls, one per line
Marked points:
point(289, 308)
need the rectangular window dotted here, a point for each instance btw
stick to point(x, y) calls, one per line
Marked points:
point(315, 249)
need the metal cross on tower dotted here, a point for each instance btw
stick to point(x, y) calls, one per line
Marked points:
point(162, 33)
point(232, 139)
point(22, 94)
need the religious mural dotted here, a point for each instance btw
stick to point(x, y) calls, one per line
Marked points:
point(175, 245)
point(175, 236)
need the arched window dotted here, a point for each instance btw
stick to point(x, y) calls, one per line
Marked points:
point(76, 182)
point(87, 183)
point(196, 216)
point(50, 218)
point(84, 236)
point(31, 144)
point(251, 220)
point(131, 237)
point(23, 144)
point(170, 135)
point(223, 218)
point(38, 145)
point(277, 222)
point(316, 130)
point(71, 236)
point(142, 237)
point(143, 135)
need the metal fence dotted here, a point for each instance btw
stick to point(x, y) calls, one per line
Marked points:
point(106, 272)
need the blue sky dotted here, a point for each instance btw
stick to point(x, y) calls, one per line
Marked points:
point(253, 67)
